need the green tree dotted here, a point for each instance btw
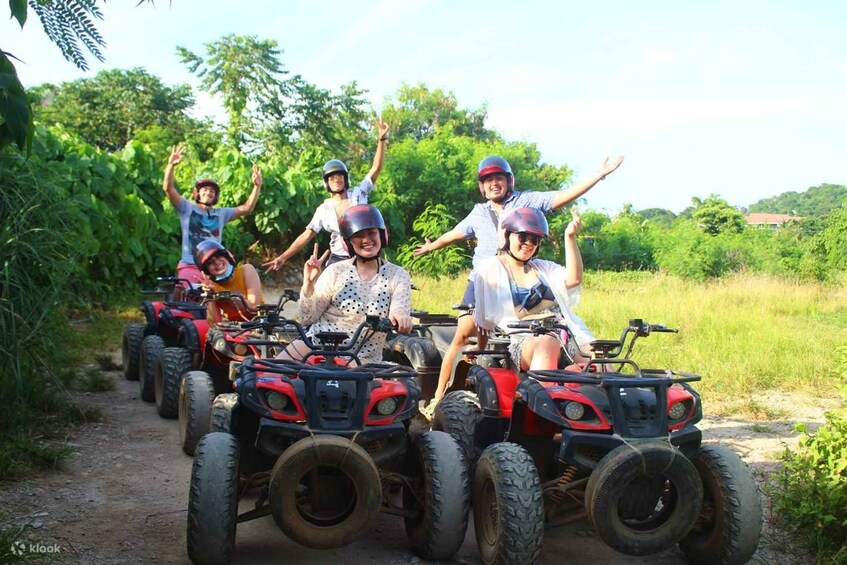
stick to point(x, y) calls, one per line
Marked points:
point(418, 112)
point(244, 70)
point(658, 216)
point(110, 108)
point(715, 216)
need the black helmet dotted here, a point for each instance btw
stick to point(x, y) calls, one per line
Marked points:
point(523, 220)
point(494, 164)
point(206, 180)
point(209, 248)
point(336, 166)
point(362, 217)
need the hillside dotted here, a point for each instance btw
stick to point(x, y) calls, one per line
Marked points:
point(816, 201)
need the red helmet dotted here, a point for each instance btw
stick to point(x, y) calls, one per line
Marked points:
point(206, 180)
point(522, 220)
point(491, 165)
point(362, 217)
point(207, 249)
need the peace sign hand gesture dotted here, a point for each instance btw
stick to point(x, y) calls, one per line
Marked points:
point(312, 270)
point(575, 224)
point(382, 129)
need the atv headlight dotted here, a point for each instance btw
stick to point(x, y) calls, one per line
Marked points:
point(219, 344)
point(574, 411)
point(386, 406)
point(276, 400)
point(239, 349)
point(677, 411)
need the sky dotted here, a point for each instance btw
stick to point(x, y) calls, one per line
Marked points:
point(743, 99)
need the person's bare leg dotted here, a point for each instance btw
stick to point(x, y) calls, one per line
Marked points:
point(541, 352)
point(465, 329)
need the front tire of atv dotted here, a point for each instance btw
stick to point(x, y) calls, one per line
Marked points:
point(440, 529)
point(730, 523)
point(508, 506)
point(172, 365)
point(151, 351)
point(213, 500)
point(196, 394)
point(131, 350)
point(643, 498)
point(458, 414)
point(223, 412)
point(301, 481)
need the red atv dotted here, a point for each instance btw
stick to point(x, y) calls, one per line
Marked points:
point(608, 441)
point(324, 445)
point(191, 349)
point(143, 344)
point(226, 341)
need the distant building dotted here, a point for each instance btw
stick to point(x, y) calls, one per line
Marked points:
point(770, 221)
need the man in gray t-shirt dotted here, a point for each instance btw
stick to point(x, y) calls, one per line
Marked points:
point(200, 220)
point(497, 184)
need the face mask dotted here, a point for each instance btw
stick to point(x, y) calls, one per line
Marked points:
point(225, 275)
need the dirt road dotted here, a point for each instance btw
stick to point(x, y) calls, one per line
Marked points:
point(123, 498)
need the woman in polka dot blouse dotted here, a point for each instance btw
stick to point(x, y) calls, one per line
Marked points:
point(364, 285)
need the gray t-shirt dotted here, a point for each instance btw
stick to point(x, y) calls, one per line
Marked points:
point(199, 225)
point(481, 225)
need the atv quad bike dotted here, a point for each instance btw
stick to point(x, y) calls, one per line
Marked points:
point(323, 446)
point(608, 441)
point(143, 344)
point(224, 342)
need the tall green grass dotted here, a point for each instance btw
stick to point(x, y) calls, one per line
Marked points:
point(743, 334)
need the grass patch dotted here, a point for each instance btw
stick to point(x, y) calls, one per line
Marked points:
point(743, 334)
point(10, 539)
point(93, 380)
point(25, 453)
point(105, 362)
point(761, 429)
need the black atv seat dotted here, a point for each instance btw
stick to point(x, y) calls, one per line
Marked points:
point(187, 306)
point(604, 346)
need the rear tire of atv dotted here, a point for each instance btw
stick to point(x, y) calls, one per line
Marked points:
point(614, 478)
point(223, 412)
point(730, 524)
point(172, 365)
point(131, 350)
point(458, 414)
point(213, 500)
point(151, 351)
point(440, 530)
point(508, 506)
point(196, 394)
point(324, 452)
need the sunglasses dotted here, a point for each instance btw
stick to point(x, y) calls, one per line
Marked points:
point(529, 237)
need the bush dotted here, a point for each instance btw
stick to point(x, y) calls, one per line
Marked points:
point(810, 491)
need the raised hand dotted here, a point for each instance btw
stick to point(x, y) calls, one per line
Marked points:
point(177, 152)
point(610, 166)
point(422, 249)
point(257, 176)
point(313, 267)
point(382, 128)
point(575, 224)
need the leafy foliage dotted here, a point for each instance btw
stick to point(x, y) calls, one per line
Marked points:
point(69, 22)
point(435, 220)
point(810, 490)
point(114, 106)
point(417, 113)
